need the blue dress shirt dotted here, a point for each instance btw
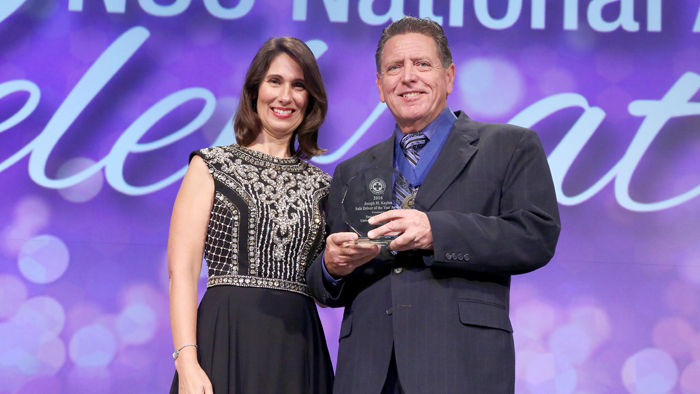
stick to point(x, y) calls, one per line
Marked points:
point(437, 132)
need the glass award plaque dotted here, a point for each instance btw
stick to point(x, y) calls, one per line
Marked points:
point(368, 194)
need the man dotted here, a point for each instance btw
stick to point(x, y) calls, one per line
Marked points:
point(434, 317)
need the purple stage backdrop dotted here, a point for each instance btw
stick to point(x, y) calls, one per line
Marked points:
point(101, 102)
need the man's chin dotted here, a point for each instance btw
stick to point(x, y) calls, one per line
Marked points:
point(409, 117)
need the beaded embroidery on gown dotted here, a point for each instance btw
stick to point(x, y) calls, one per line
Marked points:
point(258, 330)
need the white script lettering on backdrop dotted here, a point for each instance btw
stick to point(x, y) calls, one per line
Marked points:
point(656, 113)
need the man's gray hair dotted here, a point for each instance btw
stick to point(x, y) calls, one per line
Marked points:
point(411, 24)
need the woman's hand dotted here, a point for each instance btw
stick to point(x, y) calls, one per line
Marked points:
point(191, 377)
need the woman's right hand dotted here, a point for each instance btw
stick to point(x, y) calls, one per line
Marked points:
point(192, 378)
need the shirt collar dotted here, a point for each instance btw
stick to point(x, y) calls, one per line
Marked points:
point(429, 131)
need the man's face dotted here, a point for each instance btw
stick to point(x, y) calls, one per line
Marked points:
point(412, 81)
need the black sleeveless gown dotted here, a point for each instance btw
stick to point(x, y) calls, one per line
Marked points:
point(258, 330)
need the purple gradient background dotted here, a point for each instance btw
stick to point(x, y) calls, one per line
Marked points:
point(83, 278)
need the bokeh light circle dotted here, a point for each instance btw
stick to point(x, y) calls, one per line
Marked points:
point(571, 342)
point(52, 355)
point(594, 320)
point(92, 346)
point(547, 374)
point(690, 268)
point(136, 324)
point(30, 216)
point(557, 80)
point(674, 335)
point(534, 319)
point(43, 259)
point(21, 360)
point(13, 293)
point(85, 190)
point(29, 343)
point(649, 371)
point(40, 318)
point(690, 379)
point(490, 87)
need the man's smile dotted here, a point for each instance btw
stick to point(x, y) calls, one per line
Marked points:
point(410, 94)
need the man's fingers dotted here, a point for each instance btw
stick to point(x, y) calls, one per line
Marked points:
point(391, 214)
point(341, 238)
point(361, 247)
point(342, 261)
point(403, 242)
point(352, 252)
point(398, 222)
point(343, 255)
point(394, 227)
point(366, 254)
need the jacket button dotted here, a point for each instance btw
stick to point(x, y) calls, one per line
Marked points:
point(448, 256)
point(466, 257)
point(389, 311)
point(460, 256)
point(398, 270)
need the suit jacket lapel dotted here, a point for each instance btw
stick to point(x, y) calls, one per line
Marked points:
point(454, 156)
point(382, 154)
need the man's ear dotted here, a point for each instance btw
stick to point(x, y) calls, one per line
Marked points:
point(450, 76)
point(379, 87)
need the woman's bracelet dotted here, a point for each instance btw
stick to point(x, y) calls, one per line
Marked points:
point(177, 352)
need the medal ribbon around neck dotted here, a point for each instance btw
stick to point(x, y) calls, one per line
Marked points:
point(404, 193)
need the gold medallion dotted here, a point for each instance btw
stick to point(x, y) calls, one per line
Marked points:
point(409, 201)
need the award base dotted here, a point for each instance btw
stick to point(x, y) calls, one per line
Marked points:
point(384, 240)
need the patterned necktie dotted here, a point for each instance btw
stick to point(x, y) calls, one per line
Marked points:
point(411, 144)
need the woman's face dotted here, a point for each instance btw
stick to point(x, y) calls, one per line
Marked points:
point(282, 97)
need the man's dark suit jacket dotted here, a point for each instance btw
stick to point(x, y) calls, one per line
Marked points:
point(493, 212)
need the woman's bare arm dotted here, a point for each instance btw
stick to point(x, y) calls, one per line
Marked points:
point(188, 231)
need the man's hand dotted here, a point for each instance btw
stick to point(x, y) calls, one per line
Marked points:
point(342, 255)
point(412, 226)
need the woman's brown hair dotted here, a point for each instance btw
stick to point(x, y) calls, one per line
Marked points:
point(246, 122)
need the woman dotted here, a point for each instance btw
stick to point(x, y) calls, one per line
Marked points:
point(253, 209)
